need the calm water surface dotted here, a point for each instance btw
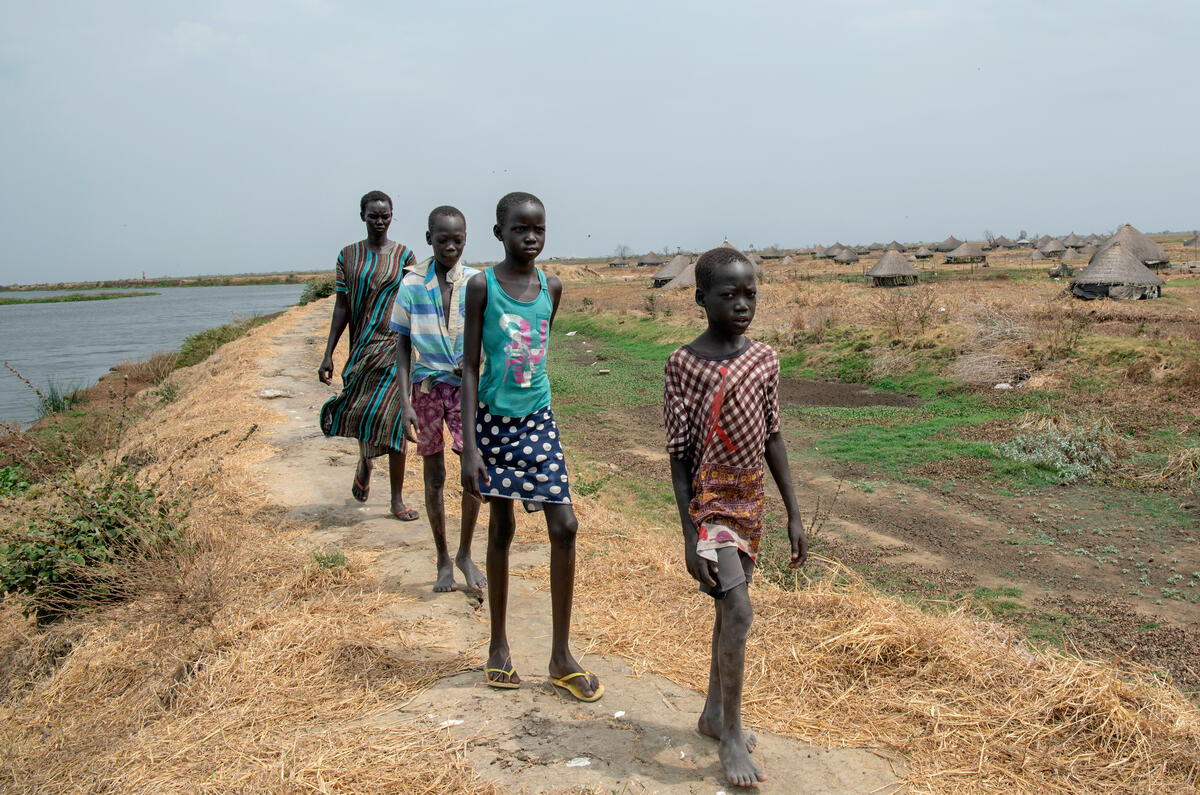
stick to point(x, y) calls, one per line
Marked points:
point(73, 344)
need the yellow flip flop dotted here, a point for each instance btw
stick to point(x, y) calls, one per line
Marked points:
point(510, 673)
point(566, 684)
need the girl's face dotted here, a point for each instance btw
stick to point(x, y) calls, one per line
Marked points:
point(378, 215)
point(523, 232)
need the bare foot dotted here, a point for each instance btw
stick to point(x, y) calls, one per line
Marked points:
point(471, 573)
point(560, 668)
point(711, 727)
point(445, 578)
point(739, 770)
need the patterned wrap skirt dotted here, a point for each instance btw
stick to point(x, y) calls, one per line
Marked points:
point(523, 457)
point(727, 508)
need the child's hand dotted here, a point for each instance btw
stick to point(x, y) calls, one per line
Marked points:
point(408, 421)
point(799, 540)
point(702, 570)
point(472, 470)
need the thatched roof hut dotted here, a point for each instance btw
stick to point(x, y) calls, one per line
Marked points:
point(862, 250)
point(949, 244)
point(893, 270)
point(966, 252)
point(923, 253)
point(1041, 241)
point(772, 253)
point(1072, 253)
point(1116, 272)
point(1037, 255)
point(1073, 241)
point(686, 277)
point(896, 245)
point(669, 271)
point(1087, 251)
point(875, 247)
point(650, 260)
point(820, 252)
point(1146, 250)
point(846, 257)
point(1053, 248)
point(618, 263)
point(1003, 242)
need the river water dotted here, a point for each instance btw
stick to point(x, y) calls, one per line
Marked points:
point(73, 344)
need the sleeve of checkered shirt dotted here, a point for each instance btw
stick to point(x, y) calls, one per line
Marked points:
point(771, 396)
point(674, 412)
point(339, 282)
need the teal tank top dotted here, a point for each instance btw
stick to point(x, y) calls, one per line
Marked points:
point(516, 338)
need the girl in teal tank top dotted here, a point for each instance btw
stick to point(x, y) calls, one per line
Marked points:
point(516, 338)
point(511, 447)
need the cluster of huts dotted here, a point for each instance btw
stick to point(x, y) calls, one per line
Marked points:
point(1120, 266)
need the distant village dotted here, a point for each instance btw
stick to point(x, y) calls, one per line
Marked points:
point(1124, 265)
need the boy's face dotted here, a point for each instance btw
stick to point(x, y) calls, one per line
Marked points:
point(448, 236)
point(730, 301)
point(523, 232)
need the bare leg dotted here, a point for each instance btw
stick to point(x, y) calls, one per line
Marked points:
point(435, 511)
point(501, 528)
point(712, 718)
point(736, 617)
point(562, 526)
point(472, 574)
point(396, 462)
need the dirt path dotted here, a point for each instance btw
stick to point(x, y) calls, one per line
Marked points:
point(639, 738)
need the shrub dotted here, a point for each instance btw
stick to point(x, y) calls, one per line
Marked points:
point(12, 480)
point(1073, 450)
point(329, 558)
point(315, 290)
point(57, 399)
point(199, 346)
point(84, 551)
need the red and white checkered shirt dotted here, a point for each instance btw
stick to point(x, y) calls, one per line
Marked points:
point(720, 411)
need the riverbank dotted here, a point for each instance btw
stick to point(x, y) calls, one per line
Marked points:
point(264, 663)
point(289, 277)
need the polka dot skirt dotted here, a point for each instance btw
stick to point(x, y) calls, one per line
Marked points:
point(523, 457)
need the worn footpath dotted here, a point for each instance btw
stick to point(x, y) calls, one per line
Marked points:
point(640, 737)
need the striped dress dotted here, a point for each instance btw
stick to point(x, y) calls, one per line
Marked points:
point(368, 408)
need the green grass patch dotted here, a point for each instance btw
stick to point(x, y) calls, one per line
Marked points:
point(73, 297)
point(199, 346)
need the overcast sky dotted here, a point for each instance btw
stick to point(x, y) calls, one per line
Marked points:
point(222, 137)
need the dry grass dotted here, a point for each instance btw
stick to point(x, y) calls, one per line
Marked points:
point(153, 370)
point(985, 368)
point(253, 670)
point(260, 671)
point(835, 663)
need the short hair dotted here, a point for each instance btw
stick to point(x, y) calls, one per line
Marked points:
point(713, 260)
point(372, 196)
point(514, 199)
point(445, 211)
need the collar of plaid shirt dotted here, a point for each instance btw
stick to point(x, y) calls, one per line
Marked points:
point(456, 277)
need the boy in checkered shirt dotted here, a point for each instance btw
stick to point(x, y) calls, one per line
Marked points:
point(721, 410)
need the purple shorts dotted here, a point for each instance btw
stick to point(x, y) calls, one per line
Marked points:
point(440, 403)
